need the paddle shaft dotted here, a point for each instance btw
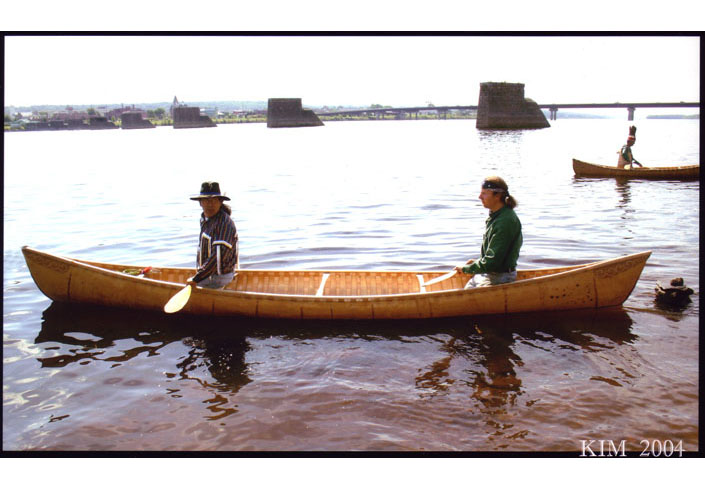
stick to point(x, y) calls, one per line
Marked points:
point(440, 278)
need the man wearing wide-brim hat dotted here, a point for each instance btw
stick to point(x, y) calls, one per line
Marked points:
point(217, 256)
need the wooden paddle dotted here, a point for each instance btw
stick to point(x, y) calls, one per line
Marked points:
point(178, 301)
point(440, 278)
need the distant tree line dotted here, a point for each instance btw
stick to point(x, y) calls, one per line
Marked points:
point(157, 113)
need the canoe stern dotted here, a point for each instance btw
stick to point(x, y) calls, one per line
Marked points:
point(51, 274)
point(615, 279)
point(68, 281)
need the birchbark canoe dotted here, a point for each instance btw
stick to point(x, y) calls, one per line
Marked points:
point(687, 172)
point(337, 294)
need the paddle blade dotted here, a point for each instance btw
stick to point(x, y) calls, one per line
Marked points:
point(178, 301)
point(440, 278)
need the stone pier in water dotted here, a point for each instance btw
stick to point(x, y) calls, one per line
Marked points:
point(288, 113)
point(503, 106)
point(191, 117)
point(133, 120)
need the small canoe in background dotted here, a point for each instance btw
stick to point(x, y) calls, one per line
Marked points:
point(687, 172)
point(337, 294)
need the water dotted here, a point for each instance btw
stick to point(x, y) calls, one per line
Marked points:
point(351, 195)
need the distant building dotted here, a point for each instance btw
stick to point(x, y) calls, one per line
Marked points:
point(117, 113)
point(174, 105)
point(57, 122)
point(69, 115)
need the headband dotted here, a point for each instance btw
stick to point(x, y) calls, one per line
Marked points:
point(493, 187)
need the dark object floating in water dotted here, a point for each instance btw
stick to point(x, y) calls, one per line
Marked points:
point(677, 295)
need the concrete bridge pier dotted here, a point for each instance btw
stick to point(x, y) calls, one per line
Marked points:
point(552, 112)
point(289, 113)
point(630, 112)
point(502, 105)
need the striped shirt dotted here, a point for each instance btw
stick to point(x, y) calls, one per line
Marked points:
point(217, 246)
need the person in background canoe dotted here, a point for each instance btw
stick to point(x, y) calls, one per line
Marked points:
point(217, 256)
point(502, 239)
point(625, 154)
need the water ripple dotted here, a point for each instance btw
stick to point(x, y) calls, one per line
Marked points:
point(82, 378)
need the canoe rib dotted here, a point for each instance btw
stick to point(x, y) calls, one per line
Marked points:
point(308, 294)
point(585, 169)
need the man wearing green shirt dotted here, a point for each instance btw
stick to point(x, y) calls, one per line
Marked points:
point(625, 154)
point(502, 239)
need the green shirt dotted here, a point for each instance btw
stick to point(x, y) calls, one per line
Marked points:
point(627, 154)
point(500, 243)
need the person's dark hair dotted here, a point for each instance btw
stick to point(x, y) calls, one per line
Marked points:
point(498, 185)
point(226, 207)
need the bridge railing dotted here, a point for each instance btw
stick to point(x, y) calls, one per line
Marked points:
point(553, 108)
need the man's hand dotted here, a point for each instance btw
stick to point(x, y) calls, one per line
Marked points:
point(459, 268)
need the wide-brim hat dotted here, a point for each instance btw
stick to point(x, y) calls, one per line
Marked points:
point(210, 189)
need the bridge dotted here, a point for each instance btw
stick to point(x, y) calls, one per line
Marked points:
point(552, 108)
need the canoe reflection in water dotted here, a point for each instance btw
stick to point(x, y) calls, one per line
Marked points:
point(96, 330)
point(487, 346)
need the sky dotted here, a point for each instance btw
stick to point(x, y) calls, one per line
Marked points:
point(347, 70)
